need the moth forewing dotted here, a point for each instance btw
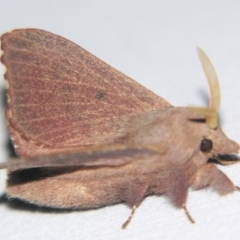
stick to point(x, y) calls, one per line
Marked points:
point(71, 97)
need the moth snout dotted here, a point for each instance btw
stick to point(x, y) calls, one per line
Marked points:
point(226, 147)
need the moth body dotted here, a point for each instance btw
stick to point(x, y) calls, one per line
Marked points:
point(179, 157)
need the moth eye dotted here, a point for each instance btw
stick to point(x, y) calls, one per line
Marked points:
point(206, 145)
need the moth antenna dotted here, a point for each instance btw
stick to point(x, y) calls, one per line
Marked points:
point(214, 87)
point(188, 215)
point(130, 217)
point(211, 75)
point(204, 111)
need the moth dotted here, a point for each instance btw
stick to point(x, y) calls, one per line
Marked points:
point(89, 136)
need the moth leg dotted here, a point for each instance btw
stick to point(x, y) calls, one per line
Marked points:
point(188, 214)
point(134, 208)
point(210, 175)
point(178, 193)
point(133, 196)
point(130, 217)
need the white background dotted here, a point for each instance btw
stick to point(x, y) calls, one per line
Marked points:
point(154, 43)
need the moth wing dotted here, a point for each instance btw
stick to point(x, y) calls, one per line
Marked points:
point(112, 157)
point(62, 97)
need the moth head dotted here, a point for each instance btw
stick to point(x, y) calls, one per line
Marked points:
point(193, 132)
point(213, 141)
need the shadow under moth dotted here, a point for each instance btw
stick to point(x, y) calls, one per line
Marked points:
point(89, 136)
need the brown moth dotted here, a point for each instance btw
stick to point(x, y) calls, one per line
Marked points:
point(89, 136)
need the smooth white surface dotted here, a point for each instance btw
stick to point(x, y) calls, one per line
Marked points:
point(154, 43)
